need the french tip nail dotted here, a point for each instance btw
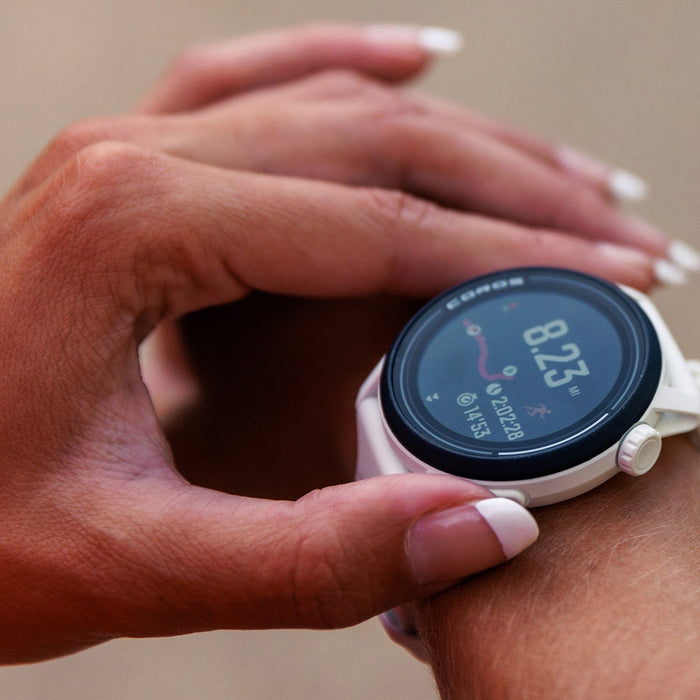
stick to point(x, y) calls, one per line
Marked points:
point(440, 40)
point(513, 525)
point(436, 40)
point(627, 187)
point(622, 185)
point(669, 274)
point(444, 546)
point(684, 255)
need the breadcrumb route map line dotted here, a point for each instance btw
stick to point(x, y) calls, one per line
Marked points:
point(474, 331)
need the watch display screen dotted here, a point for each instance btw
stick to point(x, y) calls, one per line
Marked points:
point(521, 373)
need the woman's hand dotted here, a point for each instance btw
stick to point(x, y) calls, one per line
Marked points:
point(321, 102)
point(123, 223)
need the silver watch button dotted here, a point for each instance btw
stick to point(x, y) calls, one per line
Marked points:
point(639, 450)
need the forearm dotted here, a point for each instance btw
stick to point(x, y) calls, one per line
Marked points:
point(605, 604)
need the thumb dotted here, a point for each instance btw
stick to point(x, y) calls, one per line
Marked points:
point(333, 558)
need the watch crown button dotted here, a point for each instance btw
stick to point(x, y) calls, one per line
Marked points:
point(520, 497)
point(639, 449)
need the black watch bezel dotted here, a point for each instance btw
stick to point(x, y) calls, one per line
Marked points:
point(443, 449)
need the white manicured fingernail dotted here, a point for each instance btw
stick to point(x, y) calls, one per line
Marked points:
point(626, 187)
point(684, 256)
point(669, 273)
point(447, 545)
point(437, 40)
point(514, 526)
point(621, 184)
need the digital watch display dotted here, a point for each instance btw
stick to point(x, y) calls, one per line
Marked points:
point(518, 374)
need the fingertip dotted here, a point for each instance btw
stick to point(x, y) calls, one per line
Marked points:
point(515, 529)
point(447, 545)
point(437, 41)
point(684, 255)
point(514, 526)
point(618, 184)
point(669, 274)
point(625, 186)
point(625, 265)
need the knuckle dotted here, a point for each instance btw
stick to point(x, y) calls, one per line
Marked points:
point(78, 135)
point(399, 218)
point(100, 176)
point(383, 108)
point(381, 102)
point(326, 586)
point(110, 159)
point(399, 107)
point(92, 204)
point(396, 210)
point(71, 140)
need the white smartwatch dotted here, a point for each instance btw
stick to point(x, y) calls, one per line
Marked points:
point(538, 383)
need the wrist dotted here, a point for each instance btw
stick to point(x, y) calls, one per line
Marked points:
point(606, 600)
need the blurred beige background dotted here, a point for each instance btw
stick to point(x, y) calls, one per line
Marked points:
point(619, 79)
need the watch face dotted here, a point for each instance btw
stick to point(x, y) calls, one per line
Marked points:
point(520, 374)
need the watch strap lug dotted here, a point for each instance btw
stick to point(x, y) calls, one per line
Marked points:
point(679, 410)
point(677, 401)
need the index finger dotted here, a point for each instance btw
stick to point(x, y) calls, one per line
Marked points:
point(206, 73)
point(198, 235)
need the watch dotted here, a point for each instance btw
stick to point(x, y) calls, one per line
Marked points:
point(538, 383)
